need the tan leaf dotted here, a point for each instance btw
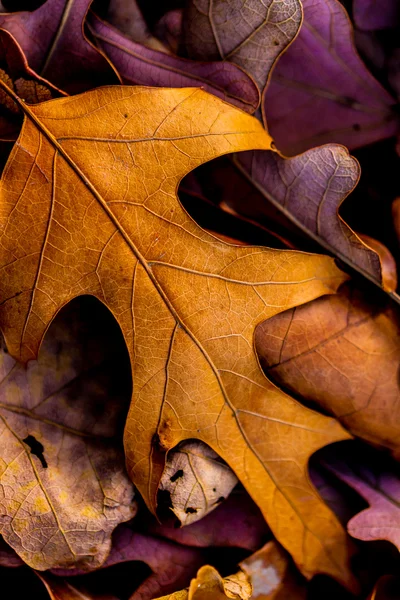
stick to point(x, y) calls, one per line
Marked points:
point(93, 210)
point(62, 479)
point(197, 481)
point(272, 576)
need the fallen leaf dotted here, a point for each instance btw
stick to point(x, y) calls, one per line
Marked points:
point(236, 523)
point(370, 15)
point(139, 65)
point(341, 353)
point(271, 575)
point(196, 480)
point(309, 189)
point(16, 73)
point(378, 482)
point(250, 33)
point(209, 585)
point(168, 29)
point(322, 74)
point(126, 16)
point(63, 484)
point(173, 565)
point(57, 48)
point(187, 304)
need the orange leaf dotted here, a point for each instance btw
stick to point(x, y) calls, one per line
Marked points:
point(89, 206)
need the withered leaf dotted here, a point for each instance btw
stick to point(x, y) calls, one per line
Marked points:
point(251, 33)
point(196, 480)
point(57, 48)
point(271, 575)
point(377, 480)
point(341, 353)
point(322, 75)
point(62, 479)
point(94, 211)
point(139, 65)
point(127, 17)
point(172, 565)
point(309, 189)
point(209, 585)
point(236, 523)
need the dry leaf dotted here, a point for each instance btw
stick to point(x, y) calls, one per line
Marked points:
point(172, 565)
point(94, 211)
point(250, 33)
point(309, 189)
point(63, 484)
point(209, 585)
point(271, 575)
point(138, 65)
point(341, 353)
point(57, 48)
point(126, 16)
point(321, 91)
point(377, 480)
point(196, 480)
point(236, 523)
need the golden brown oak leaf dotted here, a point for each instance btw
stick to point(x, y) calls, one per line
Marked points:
point(209, 585)
point(89, 206)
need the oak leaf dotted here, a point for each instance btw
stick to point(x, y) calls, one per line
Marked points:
point(377, 480)
point(250, 33)
point(62, 479)
point(94, 210)
point(128, 18)
point(342, 354)
point(139, 65)
point(322, 74)
point(272, 576)
point(196, 481)
point(209, 585)
point(309, 189)
point(236, 523)
point(57, 47)
point(172, 565)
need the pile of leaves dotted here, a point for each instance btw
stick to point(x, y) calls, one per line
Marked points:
point(198, 299)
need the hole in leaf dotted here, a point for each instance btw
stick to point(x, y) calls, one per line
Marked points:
point(190, 510)
point(37, 449)
point(220, 499)
point(177, 475)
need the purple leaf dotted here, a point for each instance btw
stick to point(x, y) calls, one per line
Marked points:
point(376, 14)
point(378, 482)
point(236, 523)
point(321, 91)
point(173, 565)
point(54, 43)
point(140, 65)
point(251, 33)
point(309, 190)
